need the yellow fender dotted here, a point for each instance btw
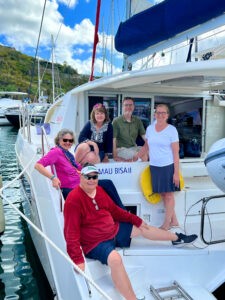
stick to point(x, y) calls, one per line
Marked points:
point(146, 186)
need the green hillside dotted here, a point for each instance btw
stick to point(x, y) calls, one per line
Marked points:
point(16, 71)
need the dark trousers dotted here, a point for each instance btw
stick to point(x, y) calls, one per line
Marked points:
point(111, 190)
point(65, 192)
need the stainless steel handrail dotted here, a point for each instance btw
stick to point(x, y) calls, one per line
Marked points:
point(203, 210)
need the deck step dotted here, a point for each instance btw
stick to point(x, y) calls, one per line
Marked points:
point(184, 292)
point(174, 291)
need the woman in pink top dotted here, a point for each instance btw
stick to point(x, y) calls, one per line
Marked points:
point(67, 170)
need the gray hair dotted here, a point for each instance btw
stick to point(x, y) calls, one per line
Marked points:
point(61, 134)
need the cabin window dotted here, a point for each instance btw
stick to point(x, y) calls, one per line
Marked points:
point(189, 126)
point(142, 109)
point(186, 116)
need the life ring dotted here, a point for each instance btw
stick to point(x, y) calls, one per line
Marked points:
point(146, 186)
point(181, 181)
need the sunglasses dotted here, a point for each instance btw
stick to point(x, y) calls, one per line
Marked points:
point(95, 204)
point(68, 140)
point(88, 177)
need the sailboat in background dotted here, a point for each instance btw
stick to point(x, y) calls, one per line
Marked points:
point(193, 93)
point(10, 100)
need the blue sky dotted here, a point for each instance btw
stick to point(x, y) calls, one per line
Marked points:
point(20, 23)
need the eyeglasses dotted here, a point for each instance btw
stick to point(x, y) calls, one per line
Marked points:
point(163, 113)
point(128, 104)
point(95, 204)
point(88, 177)
point(68, 140)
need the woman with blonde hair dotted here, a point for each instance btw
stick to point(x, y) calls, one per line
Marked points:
point(162, 141)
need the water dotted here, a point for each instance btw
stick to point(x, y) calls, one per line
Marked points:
point(21, 275)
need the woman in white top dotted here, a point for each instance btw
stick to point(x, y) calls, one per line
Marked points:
point(163, 146)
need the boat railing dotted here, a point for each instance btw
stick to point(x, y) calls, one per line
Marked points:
point(59, 96)
point(87, 278)
point(26, 116)
point(205, 201)
point(44, 139)
point(25, 121)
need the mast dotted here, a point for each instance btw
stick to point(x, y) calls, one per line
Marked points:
point(53, 75)
point(39, 81)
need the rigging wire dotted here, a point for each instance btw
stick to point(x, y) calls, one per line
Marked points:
point(39, 35)
point(37, 47)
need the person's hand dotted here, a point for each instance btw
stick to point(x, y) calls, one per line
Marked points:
point(81, 266)
point(135, 157)
point(105, 159)
point(56, 183)
point(176, 179)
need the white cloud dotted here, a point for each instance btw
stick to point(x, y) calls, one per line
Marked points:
point(20, 25)
point(69, 3)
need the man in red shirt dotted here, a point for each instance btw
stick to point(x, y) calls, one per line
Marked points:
point(96, 224)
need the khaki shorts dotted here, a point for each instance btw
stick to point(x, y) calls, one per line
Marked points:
point(128, 153)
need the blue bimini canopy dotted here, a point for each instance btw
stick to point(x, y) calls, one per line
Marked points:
point(164, 21)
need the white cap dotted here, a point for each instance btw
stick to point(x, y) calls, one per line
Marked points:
point(89, 169)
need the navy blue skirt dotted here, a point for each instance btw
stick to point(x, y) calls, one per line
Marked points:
point(162, 179)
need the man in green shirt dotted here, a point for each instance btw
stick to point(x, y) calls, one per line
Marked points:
point(126, 129)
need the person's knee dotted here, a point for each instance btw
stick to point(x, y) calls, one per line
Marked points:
point(92, 158)
point(114, 259)
point(168, 196)
point(83, 147)
point(81, 151)
point(136, 232)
